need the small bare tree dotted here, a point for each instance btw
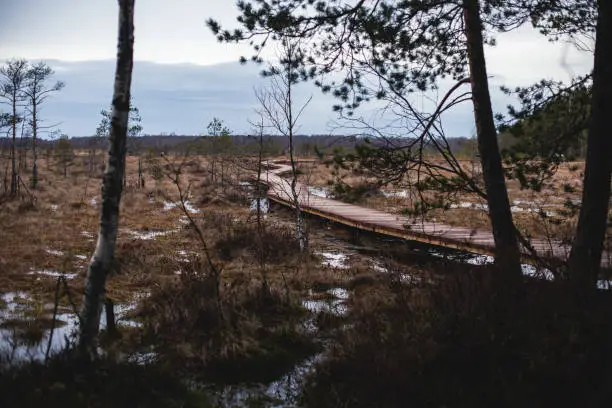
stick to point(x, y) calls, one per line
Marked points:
point(133, 142)
point(36, 92)
point(100, 263)
point(259, 127)
point(277, 107)
point(173, 173)
point(12, 84)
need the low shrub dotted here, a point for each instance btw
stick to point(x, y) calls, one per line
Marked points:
point(468, 340)
point(66, 383)
point(247, 331)
point(271, 244)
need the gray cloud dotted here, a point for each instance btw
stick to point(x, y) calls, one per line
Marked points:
point(179, 98)
point(183, 98)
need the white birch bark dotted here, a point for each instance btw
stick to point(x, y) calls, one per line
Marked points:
point(100, 262)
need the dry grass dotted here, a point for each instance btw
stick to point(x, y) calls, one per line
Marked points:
point(401, 343)
point(249, 331)
point(57, 232)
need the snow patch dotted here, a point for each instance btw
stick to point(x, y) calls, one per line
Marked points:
point(169, 205)
point(604, 284)
point(534, 272)
point(334, 259)
point(264, 205)
point(339, 293)
point(318, 191)
point(149, 235)
point(480, 260)
point(472, 206)
point(335, 306)
point(12, 302)
point(395, 193)
point(52, 274)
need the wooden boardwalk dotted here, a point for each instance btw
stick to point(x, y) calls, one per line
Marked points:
point(414, 229)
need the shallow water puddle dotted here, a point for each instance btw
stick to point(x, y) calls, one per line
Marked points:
point(14, 342)
point(333, 259)
point(264, 205)
point(15, 305)
point(11, 303)
point(335, 304)
point(281, 393)
point(403, 277)
point(339, 293)
point(284, 392)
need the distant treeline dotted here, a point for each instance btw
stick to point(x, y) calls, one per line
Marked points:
point(236, 144)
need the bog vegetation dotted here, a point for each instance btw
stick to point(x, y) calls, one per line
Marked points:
point(145, 271)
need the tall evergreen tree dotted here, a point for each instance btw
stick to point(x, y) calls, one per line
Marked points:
point(36, 92)
point(577, 20)
point(405, 46)
point(12, 84)
point(585, 257)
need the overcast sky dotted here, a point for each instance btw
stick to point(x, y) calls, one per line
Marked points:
point(173, 33)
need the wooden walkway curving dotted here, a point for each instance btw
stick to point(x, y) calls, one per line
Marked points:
point(465, 239)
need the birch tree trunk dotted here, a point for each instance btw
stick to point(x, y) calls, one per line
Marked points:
point(13, 164)
point(301, 234)
point(111, 184)
point(585, 257)
point(290, 54)
point(507, 255)
point(34, 140)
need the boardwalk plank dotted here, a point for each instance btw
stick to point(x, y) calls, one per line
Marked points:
point(473, 240)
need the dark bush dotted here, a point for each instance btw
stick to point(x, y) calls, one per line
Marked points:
point(66, 383)
point(272, 244)
point(469, 341)
point(246, 332)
